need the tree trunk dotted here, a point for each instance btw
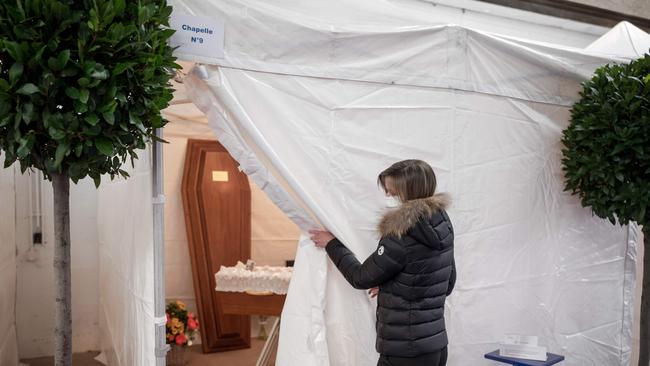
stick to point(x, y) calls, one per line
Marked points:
point(644, 338)
point(63, 307)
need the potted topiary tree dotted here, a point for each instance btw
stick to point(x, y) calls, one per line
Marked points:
point(607, 157)
point(82, 84)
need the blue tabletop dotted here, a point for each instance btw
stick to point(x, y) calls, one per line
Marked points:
point(552, 359)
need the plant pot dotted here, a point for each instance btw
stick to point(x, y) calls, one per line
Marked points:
point(177, 356)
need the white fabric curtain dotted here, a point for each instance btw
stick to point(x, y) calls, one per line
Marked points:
point(8, 345)
point(126, 280)
point(530, 259)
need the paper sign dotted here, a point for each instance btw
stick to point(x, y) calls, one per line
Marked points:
point(197, 36)
point(219, 176)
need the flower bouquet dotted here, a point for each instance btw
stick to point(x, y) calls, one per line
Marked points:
point(181, 329)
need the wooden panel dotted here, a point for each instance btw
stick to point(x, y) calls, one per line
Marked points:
point(575, 11)
point(243, 303)
point(218, 223)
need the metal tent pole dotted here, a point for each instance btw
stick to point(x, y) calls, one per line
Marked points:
point(159, 251)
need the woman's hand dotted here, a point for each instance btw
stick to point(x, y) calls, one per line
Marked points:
point(373, 292)
point(321, 237)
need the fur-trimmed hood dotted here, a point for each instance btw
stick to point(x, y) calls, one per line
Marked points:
point(400, 220)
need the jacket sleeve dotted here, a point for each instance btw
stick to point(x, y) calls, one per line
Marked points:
point(388, 260)
point(452, 278)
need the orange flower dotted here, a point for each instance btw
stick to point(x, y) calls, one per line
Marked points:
point(177, 326)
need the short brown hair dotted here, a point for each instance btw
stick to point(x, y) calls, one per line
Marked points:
point(413, 179)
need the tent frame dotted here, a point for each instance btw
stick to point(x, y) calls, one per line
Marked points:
point(159, 251)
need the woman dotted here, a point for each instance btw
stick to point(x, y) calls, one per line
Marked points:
point(413, 267)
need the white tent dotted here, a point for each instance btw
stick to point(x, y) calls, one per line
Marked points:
point(126, 268)
point(8, 347)
point(314, 99)
point(624, 40)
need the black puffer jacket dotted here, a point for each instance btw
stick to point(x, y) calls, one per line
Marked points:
point(415, 271)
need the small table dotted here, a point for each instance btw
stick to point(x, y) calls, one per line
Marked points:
point(248, 290)
point(243, 303)
point(551, 359)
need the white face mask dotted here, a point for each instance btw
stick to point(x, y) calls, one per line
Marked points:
point(392, 202)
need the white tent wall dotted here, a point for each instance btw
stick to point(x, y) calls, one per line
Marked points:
point(314, 99)
point(35, 291)
point(634, 359)
point(8, 343)
point(548, 28)
point(467, 13)
point(530, 259)
point(628, 41)
point(392, 43)
point(274, 237)
point(126, 268)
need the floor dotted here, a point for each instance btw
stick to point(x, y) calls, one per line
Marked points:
point(78, 359)
point(246, 357)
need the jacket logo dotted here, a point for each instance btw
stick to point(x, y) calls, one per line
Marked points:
point(380, 251)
